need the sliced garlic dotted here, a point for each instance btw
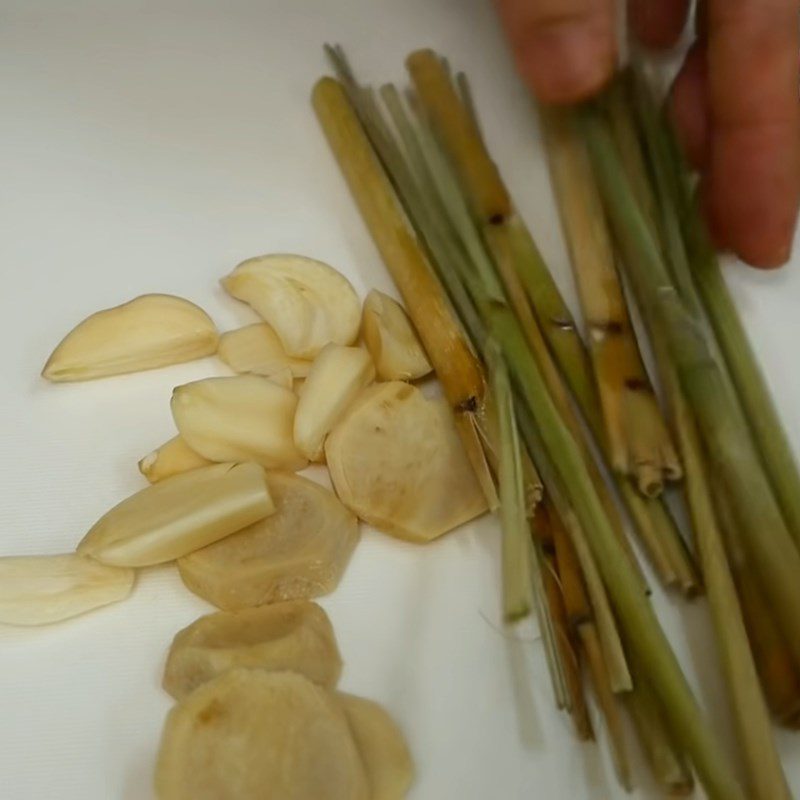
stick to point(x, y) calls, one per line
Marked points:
point(178, 515)
point(391, 340)
point(251, 734)
point(397, 462)
point(307, 302)
point(38, 590)
point(257, 349)
point(337, 375)
point(382, 746)
point(241, 418)
point(172, 458)
point(294, 636)
point(298, 552)
point(151, 331)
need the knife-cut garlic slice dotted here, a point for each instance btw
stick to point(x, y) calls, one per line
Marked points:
point(178, 515)
point(257, 349)
point(307, 302)
point(38, 590)
point(150, 331)
point(295, 636)
point(337, 375)
point(298, 552)
point(391, 340)
point(172, 458)
point(251, 734)
point(397, 462)
point(241, 418)
point(383, 748)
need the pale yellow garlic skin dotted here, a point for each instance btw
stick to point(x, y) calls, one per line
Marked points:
point(299, 552)
point(240, 418)
point(335, 379)
point(391, 340)
point(382, 747)
point(40, 590)
point(307, 302)
point(257, 349)
point(178, 515)
point(396, 461)
point(150, 331)
point(296, 636)
point(172, 458)
point(251, 734)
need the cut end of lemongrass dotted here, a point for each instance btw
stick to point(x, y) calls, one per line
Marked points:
point(241, 418)
point(336, 377)
point(306, 302)
point(178, 515)
point(172, 458)
point(39, 590)
point(150, 331)
point(391, 340)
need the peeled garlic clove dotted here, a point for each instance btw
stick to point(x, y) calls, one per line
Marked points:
point(391, 340)
point(251, 734)
point(337, 375)
point(38, 590)
point(151, 331)
point(257, 349)
point(242, 418)
point(178, 515)
point(382, 746)
point(396, 461)
point(172, 458)
point(298, 552)
point(295, 636)
point(307, 302)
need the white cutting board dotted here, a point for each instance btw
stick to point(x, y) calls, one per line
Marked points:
point(151, 146)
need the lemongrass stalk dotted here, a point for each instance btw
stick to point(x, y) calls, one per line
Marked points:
point(517, 600)
point(453, 360)
point(653, 522)
point(639, 442)
point(769, 545)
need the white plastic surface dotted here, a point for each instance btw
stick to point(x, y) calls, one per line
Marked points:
point(150, 147)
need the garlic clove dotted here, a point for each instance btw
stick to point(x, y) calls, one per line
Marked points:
point(172, 458)
point(257, 349)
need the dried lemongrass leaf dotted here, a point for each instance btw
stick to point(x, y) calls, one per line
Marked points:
point(336, 377)
point(397, 462)
point(391, 340)
point(38, 590)
point(178, 515)
point(257, 349)
point(382, 746)
point(296, 636)
point(172, 458)
point(241, 418)
point(251, 734)
point(150, 331)
point(307, 302)
point(298, 552)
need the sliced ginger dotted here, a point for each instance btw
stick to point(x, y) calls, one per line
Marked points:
point(295, 636)
point(298, 552)
point(397, 462)
point(251, 734)
point(382, 746)
point(391, 340)
point(150, 331)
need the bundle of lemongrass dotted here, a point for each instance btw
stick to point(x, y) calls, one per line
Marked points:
point(531, 399)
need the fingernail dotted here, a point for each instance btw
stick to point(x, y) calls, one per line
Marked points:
point(569, 61)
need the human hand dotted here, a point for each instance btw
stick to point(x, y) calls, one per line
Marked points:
point(735, 101)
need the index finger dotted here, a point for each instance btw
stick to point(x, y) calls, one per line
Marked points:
point(754, 171)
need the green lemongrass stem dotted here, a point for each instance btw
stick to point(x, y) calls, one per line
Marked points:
point(636, 615)
point(651, 519)
point(517, 587)
point(639, 442)
point(769, 545)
